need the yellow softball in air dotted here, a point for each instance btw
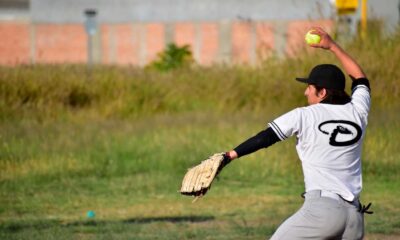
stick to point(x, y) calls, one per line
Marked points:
point(312, 38)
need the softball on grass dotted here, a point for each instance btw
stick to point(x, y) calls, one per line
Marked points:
point(312, 38)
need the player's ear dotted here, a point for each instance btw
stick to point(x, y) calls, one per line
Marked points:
point(322, 93)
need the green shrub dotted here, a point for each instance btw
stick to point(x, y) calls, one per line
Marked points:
point(173, 57)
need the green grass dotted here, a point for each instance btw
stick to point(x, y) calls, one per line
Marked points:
point(119, 140)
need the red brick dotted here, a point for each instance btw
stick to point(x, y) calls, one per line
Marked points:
point(208, 43)
point(241, 42)
point(14, 44)
point(265, 40)
point(155, 40)
point(185, 34)
point(61, 43)
point(127, 45)
point(106, 48)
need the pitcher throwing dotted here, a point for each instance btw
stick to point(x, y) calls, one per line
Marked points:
point(329, 133)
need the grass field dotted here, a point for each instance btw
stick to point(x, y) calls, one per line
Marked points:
point(119, 140)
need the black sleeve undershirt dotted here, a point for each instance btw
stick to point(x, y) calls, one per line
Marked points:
point(360, 81)
point(263, 139)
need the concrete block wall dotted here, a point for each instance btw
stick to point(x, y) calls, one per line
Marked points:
point(232, 42)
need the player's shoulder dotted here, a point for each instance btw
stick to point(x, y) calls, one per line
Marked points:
point(321, 109)
point(305, 111)
point(318, 109)
point(313, 107)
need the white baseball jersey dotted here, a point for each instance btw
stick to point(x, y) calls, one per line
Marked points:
point(329, 139)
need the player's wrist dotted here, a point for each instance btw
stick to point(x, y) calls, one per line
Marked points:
point(334, 47)
point(230, 155)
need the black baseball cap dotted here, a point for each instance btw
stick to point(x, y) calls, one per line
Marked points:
point(328, 76)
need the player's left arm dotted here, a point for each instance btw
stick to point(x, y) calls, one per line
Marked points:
point(261, 140)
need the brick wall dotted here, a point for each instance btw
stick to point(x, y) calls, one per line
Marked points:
point(265, 40)
point(208, 43)
point(238, 42)
point(14, 43)
point(60, 43)
point(242, 41)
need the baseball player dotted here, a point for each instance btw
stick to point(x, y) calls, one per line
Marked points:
point(329, 134)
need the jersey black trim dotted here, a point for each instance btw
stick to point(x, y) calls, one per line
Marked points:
point(281, 135)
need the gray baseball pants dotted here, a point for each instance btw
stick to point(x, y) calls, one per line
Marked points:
point(323, 216)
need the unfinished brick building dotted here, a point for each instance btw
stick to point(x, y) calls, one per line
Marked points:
point(133, 32)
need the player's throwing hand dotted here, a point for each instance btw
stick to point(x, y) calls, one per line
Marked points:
point(326, 41)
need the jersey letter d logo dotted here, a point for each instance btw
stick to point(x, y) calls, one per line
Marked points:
point(342, 132)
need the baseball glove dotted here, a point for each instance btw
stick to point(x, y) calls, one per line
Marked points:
point(198, 179)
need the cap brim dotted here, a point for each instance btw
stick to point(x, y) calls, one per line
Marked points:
point(304, 80)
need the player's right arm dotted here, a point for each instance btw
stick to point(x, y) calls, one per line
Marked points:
point(361, 98)
point(349, 64)
point(351, 67)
